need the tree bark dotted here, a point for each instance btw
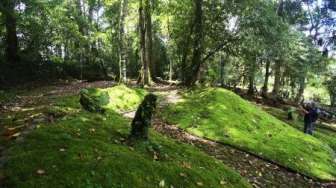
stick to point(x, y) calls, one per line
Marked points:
point(145, 71)
point(302, 85)
point(149, 41)
point(251, 76)
point(8, 10)
point(222, 64)
point(277, 78)
point(122, 42)
point(81, 55)
point(333, 100)
point(196, 61)
point(267, 75)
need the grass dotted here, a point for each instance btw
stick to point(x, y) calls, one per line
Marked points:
point(83, 149)
point(221, 115)
point(6, 96)
point(326, 135)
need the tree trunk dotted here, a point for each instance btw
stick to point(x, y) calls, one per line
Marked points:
point(277, 78)
point(81, 54)
point(122, 42)
point(196, 61)
point(145, 72)
point(333, 100)
point(222, 64)
point(251, 76)
point(186, 50)
point(149, 41)
point(302, 85)
point(267, 75)
point(11, 36)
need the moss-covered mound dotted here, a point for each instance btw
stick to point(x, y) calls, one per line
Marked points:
point(321, 131)
point(221, 115)
point(94, 100)
point(89, 150)
point(118, 98)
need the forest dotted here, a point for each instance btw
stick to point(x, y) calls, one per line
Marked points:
point(168, 93)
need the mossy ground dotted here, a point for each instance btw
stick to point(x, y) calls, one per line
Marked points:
point(82, 149)
point(221, 115)
point(321, 132)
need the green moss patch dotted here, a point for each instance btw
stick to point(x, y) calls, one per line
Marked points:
point(221, 115)
point(326, 135)
point(85, 149)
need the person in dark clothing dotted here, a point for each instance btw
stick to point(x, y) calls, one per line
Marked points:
point(310, 118)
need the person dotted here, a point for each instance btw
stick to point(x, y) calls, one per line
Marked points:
point(310, 117)
point(290, 113)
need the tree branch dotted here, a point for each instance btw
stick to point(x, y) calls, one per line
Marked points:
point(219, 48)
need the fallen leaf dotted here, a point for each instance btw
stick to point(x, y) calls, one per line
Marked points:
point(40, 172)
point(186, 165)
point(155, 157)
point(16, 135)
point(200, 184)
point(162, 183)
point(62, 150)
point(183, 174)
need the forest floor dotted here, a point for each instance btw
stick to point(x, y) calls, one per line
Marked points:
point(258, 172)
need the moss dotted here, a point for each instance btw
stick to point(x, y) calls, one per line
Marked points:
point(223, 116)
point(94, 100)
point(121, 97)
point(326, 135)
point(84, 149)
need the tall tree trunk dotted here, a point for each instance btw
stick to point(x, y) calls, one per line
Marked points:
point(11, 39)
point(122, 42)
point(170, 77)
point(251, 76)
point(222, 64)
point(277, 78)
point(267, 75)
point(333, 100)
point(302, 85)
point(278, 63)
point(196, 61)
point(186, 49)
point(79, 6)
point(149, 40)
point(145, 72)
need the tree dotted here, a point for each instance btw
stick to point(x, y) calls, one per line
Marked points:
point(122, 42)
point(144, 78)
point(7, 8)
point(196, 61)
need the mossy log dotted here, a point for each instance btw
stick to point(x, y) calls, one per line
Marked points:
point(94, 100)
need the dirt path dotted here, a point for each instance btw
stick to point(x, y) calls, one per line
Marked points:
point(259, 172)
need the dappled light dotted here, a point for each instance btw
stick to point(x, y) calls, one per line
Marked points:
point(248, 127)
point(168, 93)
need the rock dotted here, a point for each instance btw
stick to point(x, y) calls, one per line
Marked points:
point(94, 100)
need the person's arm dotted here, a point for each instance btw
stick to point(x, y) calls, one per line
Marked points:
point(303, 110)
